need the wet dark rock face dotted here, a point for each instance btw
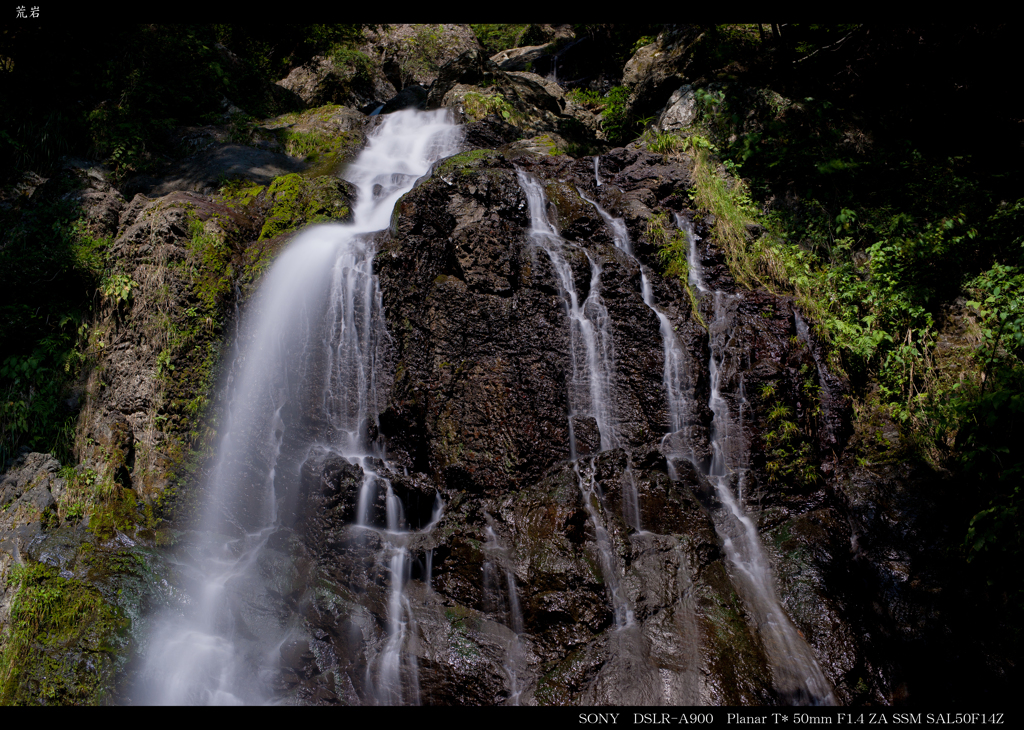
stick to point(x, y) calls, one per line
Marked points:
point(472, 383)
point(515, 595)
point(474, 408)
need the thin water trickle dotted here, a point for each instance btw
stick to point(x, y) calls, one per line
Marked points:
point(675, 371)
point(797, 674)
point(590, 341)
point(629, 675)
point(304, 371)
point(499, 559)
point(617, 226)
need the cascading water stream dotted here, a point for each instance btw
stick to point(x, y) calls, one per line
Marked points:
point(797, 675)
point(514, 651)
point(678, 388)
point(675, 373)
point(591, 353)
point(303, 377)
point(590, 338)
point(676, 376)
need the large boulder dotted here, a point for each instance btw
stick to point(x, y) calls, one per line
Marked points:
point(680, 111)
point(30, 486)
point(527, 58)
point(659, 68)
point(475, 87)
point(349, 79)
point(412, 54)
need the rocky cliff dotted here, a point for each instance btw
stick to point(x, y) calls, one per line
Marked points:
point(545, 562)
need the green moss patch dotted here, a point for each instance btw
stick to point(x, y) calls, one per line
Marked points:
point(62, 642)
point(464, 162)
point(295, 201)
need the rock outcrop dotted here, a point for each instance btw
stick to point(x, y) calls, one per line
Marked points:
point(538, 563)
point(412, 54)
point(474, 415)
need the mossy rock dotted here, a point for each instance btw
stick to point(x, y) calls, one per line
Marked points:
point(568, 203)
point(63, 642)
point(326, 137)
point(240, 194)
point(118, 513)
point(467, 162)
point(546, 144)
point(295, 201)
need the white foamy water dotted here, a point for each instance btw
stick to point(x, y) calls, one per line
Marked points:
point(797, 675)
point(306, 355)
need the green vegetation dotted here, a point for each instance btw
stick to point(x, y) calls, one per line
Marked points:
point(358, 63)
point(63, 635)
point(586, 97)
point(726, 198)
point(673, 250)
point(619, 124)
point(881, 222)
point(50, 265)
point(497, 37)
point(615, 119)
point(663, 142)
point(729, 201)
point(117, 288)
point(790, 458)
point(478, 106)
point(311, 145)
point(614, 44)
point(989, 418)
point(423, 50)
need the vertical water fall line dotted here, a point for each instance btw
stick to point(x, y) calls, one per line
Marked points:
point(620, 236)
point(629, 675)
point(514, 650)
point(590, 339)
point(797, 675)
point(675, 371)
point(307, 359)
point(679, 393)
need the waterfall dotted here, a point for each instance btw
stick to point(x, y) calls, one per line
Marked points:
point(514, 650)
point(303, 378)
point(590, 340)
point(675, 371)
point(303, 385)
point(629, 675)
point(797, 675)
point(678, 389)
point(553, 76)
